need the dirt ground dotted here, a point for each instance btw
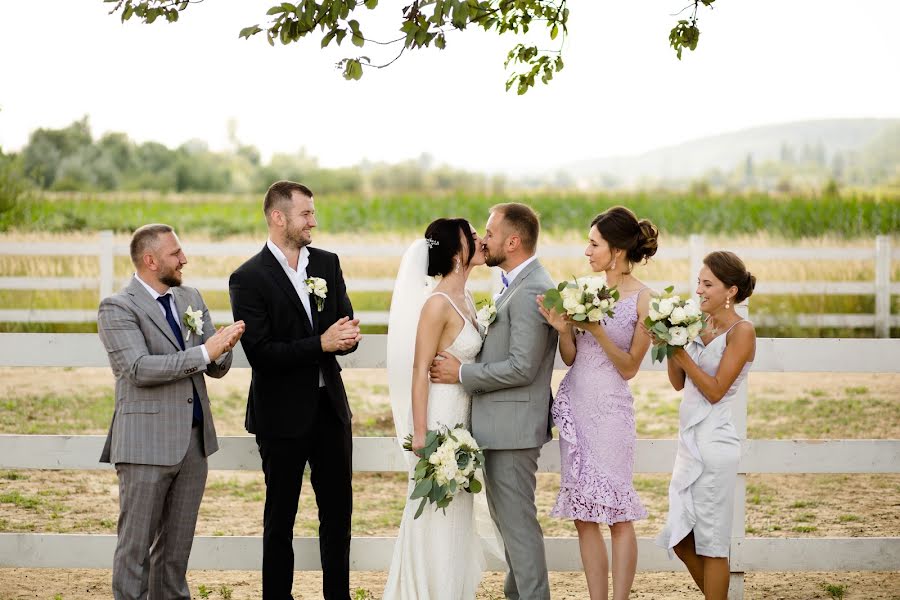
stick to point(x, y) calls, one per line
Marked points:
point(92, 584)
point(780, 406)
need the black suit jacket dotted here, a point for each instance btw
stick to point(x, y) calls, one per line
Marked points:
point(285, 353)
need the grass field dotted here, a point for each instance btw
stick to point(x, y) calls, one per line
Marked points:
point(781, 406)
point(855, 215)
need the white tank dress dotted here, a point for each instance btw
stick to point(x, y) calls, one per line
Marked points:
point(701, 493)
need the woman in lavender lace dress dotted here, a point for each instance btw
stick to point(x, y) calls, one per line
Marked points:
point(594, 409)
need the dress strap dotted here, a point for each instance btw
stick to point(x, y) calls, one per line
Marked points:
point(732, 326)
point(637, 294)
point(453, 304)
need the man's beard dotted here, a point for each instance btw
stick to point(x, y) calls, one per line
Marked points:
point(170, 279)
point(295, 237)
point(492, 260)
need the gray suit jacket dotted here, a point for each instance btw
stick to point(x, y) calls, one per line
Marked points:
point(151, 423)
point(510, 382)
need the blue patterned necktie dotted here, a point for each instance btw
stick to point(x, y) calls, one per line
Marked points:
point(164, 300)
point(504, 279)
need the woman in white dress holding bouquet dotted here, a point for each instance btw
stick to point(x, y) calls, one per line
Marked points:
point(438, 555)
point(709, 370)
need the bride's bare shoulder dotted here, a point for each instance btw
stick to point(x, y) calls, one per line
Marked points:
point(435, 310)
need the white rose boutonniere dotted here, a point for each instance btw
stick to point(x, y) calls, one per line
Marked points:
point(486, 315)
point(193, 320)
point(317, 288)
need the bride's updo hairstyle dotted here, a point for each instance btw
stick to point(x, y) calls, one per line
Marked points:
point(622, 230)
point(444, 238)
point(730, 270)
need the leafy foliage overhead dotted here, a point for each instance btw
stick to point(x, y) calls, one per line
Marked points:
point(423, 23)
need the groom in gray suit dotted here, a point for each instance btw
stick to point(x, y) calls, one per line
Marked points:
point(511, 397)
point(162, 429)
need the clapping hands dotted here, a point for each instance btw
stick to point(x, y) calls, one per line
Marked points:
point(224, 339)
point(343, 335)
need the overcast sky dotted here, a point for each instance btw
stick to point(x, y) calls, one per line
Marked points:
point(622, 91)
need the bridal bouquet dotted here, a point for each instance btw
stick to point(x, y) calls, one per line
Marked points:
point(446, 465)
point(673, 322)
point(586, 299)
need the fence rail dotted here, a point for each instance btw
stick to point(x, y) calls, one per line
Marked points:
point(240, 553)
point(105, 250)
point(383, 454)
point(374, 454)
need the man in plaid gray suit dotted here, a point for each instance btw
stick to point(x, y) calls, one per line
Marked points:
point(160, 341)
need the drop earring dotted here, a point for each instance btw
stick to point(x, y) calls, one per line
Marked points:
point(458, 262)
point(612, 267)
point(727, 303)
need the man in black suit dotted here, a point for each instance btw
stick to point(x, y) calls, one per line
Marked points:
point(298, 318)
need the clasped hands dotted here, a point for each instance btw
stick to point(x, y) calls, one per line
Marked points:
point(342, 335)
point(224, 339)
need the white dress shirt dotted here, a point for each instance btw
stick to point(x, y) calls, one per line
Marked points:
point(156, 295)
point(298, 279)
point(511, 276)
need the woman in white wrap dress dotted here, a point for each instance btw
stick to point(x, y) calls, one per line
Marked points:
point(709, 370)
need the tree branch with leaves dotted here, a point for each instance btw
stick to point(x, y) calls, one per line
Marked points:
point(423, 23)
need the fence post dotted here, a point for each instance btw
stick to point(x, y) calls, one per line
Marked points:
point(696, 252)
point(739, 522)
point(107, 263)
point(882, 286)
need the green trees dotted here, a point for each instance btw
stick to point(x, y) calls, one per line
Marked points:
point(13, 186)
point(69, 159)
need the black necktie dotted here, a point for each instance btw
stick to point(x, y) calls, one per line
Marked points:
point(164, 300)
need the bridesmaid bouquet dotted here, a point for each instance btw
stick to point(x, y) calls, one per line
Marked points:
point(446, 465)
point(586, 299)
point(673, 322)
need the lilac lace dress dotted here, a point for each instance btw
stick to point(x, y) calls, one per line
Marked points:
point(594, 412)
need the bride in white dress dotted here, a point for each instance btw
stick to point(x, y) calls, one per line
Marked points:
point(437, 556)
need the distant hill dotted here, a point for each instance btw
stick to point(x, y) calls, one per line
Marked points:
point(726, 151)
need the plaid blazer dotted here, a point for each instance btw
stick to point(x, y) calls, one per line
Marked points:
point(151, 424)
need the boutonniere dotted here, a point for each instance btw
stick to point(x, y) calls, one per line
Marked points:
point(318, 289)
point(193, 320)
point(486, 314)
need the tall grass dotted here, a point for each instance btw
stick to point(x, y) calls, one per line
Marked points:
point(676, 214)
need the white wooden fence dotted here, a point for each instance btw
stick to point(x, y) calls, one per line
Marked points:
point(383, 454)
point(105, 250)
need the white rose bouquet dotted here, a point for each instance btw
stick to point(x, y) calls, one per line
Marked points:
point(446, 465)
point(586, 299)
point(674, 323)
point(318, 289)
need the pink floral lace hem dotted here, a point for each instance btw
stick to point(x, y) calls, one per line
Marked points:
point(606, 504)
